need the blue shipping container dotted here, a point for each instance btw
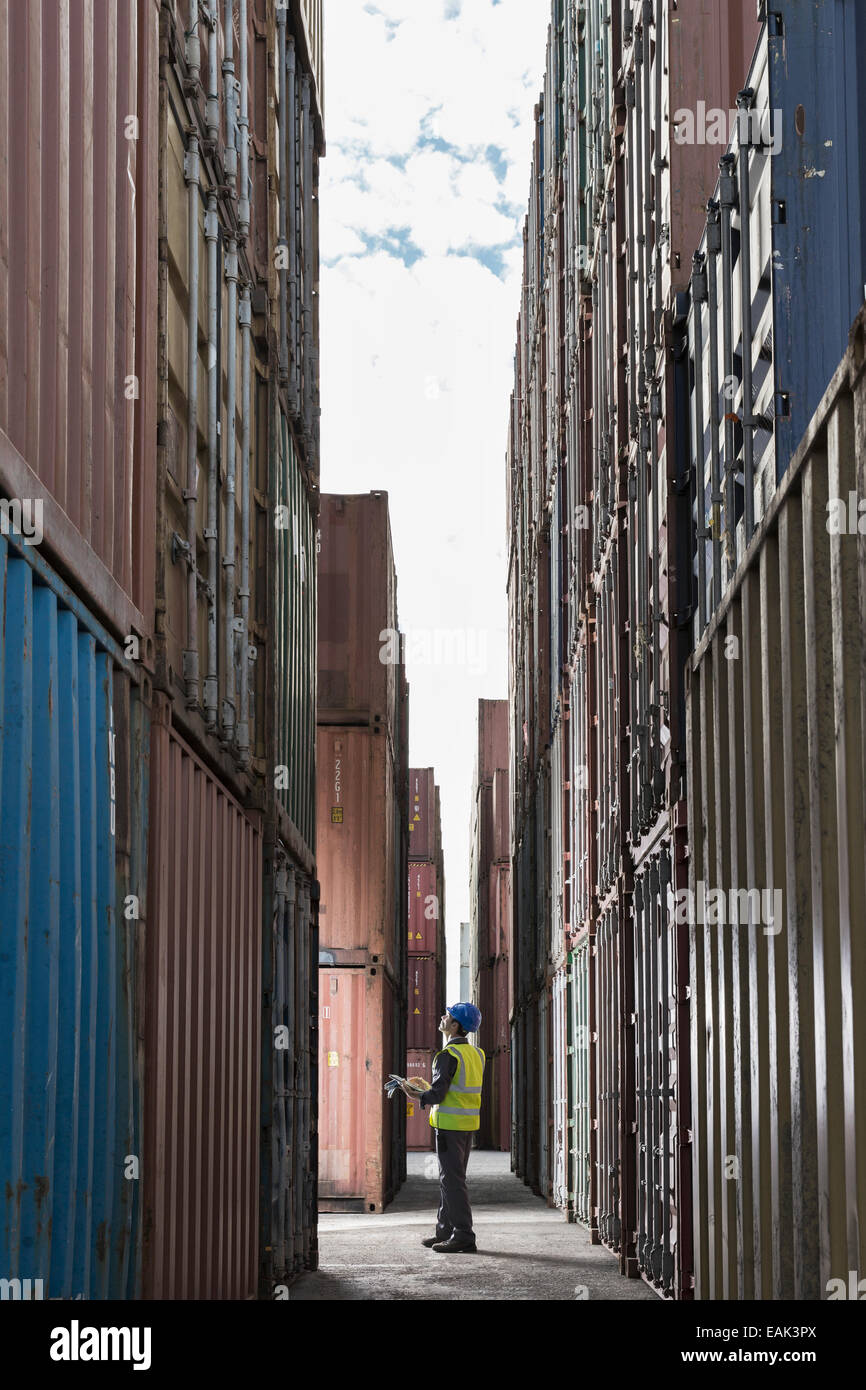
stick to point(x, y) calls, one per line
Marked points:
point(72, 782)
point(817, 62)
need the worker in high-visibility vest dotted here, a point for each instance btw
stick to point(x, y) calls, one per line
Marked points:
point(455, 1097)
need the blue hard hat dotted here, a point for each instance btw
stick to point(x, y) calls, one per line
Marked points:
point(467, 1016)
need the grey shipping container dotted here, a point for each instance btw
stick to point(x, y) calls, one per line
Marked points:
point(776, 877)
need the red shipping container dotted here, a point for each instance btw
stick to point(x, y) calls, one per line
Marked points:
point(356, 1056)
point(201, 1031)
point(492, 738)
point(501, 1031)
point(419, 1132)
point(78, 289)
point(424, 911)
point(358, 666)
point(499, 911)
point(422, 814)
point(356, 849)
point(501, 847)
point(424, 1004)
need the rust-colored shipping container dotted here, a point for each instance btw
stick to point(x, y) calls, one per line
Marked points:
point(422, 814)
point(358, 1023)
point(423, 935)
point(78, 285)
point(201, 1031)
point(499, 899)
point(360, 648)
point(492, 738)
point(425, 1003)
point(501, 846)
point(419, 1131)
point(361, 907)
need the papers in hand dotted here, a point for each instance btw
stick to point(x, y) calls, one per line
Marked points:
point(415, 1083)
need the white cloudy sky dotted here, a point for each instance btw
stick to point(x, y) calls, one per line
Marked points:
point(428, 114)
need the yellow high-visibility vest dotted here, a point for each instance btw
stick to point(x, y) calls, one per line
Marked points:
point(461, 1108)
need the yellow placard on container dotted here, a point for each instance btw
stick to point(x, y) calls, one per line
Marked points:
point(410, 1109)
point(333, 1059)
point(336, 815)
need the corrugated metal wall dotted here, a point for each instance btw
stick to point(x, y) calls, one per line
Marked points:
point(202, 1031)
point(150, 168)
point(73, 775)
point(776, 763)
point(77, 269)
point(644, 448)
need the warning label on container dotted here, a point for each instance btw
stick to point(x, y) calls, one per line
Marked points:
point(336, 815)
point(333, 1059)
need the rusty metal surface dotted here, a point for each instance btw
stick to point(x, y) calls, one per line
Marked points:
point(776, 762)
point(201, 1032)
point(78, 250)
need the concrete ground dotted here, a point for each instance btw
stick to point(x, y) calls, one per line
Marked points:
point(526, 1250)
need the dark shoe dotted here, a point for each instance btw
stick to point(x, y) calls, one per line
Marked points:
point(434, 1240)
point(456, 1245)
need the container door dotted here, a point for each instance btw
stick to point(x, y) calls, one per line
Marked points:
point(342, 1090)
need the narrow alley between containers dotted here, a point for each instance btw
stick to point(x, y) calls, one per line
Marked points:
point(525, 1249)
point(558, 864)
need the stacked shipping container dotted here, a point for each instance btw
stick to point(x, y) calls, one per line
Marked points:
point(362, 839)
point(490, 919)
point(142, 408)
point(426, 939)
point(633, 395)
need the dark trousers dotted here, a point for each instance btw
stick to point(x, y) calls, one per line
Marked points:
point(453, 1147)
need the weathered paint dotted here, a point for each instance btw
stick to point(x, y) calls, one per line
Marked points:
point(73, 799)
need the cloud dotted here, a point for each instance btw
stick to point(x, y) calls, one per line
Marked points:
point(429, 123)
